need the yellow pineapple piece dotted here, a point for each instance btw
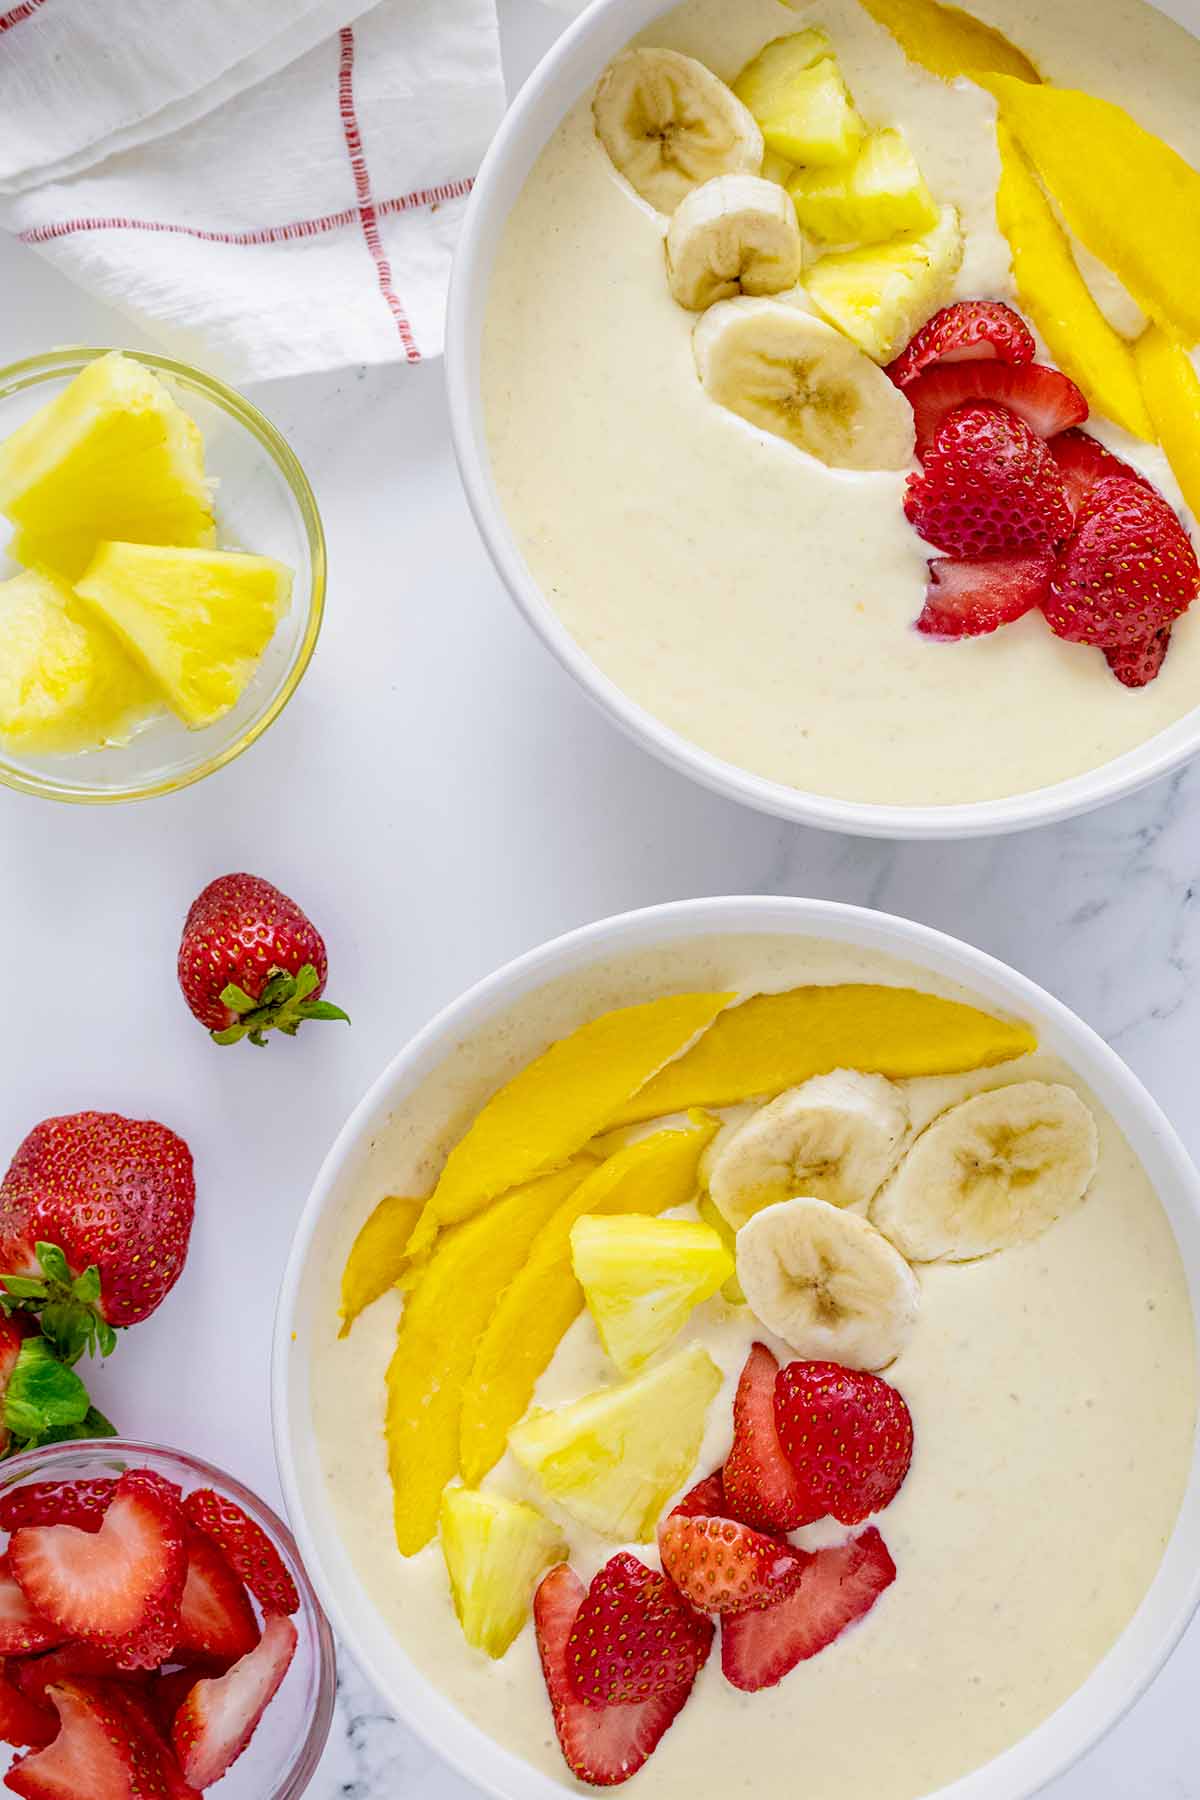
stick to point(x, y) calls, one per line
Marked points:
point(642, 1277)
point(613, 1459)
point(1057, 298)
point(1172, 391)
point(948, 41)
point(713, 1217)
point(795, 90)
point(197, 620)
point(112, 456)
point(879, 295)
point(651, 1176)
point(777, 168)
point(496, 1552)
point(1131, 199)
point(65, 682)
point(378, 1257)
point(878, 194)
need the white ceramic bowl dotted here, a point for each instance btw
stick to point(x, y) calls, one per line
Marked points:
point(568, 71)
point(1170, 1602)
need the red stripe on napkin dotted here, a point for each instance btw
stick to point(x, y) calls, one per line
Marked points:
point(368, 216)
point(17, 14)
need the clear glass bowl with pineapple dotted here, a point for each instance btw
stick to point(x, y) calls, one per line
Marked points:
point(162, 575)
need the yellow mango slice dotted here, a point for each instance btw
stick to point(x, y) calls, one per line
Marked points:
point(1128, 196)
point(1057, 298)
point(560, 1100)
point(650, 1176)
point(776, 1041)
point(443, 1320)
point(949, 42)
point(1172, 390)
point(378, 1256)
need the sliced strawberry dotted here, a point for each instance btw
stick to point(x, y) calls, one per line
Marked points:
point(635, 1637)
point(968, 596)
point(221, 1714)
point(968, 331)
point(705, 1500)
point(1083, 461)
point(1046, 400)
point(837, 1586)
point(167, 1693)
point(989, 483)
point(99, 1752)
point(603, 1745)
point(23, 1631)
point(79, 1503)
point(118, 1587)
point(1129, 570)
point(247, 1547)
point(1136, 665)
point(216, 1619)
point(847, 1434)
point(135, 1703)
point(27, 1723)
point(760, 1484)
point(721, 1566)
point(38, 1673)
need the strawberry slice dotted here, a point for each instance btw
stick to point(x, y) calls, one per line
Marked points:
point(968, 331)
point(1083, 461)
point(41, 1672)
point(603, 1745)
point(989, 484)
point(118, 1587)
point(635, 1637)
point(968, 596)
point(25, 1722)
point(135, 1703)
point(1136, 665)
point(79, 1503)
point(847, 1434)
point(760, 1484)
point(837, 1586)
point(167, 1693)
point(704, 1501)
point(721, 1566)
point(1045, 399)
point(216, 1619)
point(247, 1547)
point(23, 1632)
point(99, 1752)
point(220, 1715)
point(1129, 570)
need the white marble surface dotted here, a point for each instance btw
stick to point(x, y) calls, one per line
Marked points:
point(441, 797)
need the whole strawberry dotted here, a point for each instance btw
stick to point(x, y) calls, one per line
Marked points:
point(1129, 570)
point(251, 962)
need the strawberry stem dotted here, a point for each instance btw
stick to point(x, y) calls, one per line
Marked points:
point(283, 1005)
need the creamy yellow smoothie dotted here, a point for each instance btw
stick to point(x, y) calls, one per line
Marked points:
point(755, 601)
point(1052, 1392)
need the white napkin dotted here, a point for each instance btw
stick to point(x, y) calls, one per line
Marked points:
point(266, 188)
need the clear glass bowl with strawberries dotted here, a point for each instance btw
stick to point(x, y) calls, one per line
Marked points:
point(156, 1626)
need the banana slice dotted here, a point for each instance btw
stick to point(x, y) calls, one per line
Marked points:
point(834, 1138)
point(669, 125)
point(735, 235)
point(992, 1172)
point(827, 1283)
point(791, 374)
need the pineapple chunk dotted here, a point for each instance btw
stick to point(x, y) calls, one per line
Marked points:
point(777, 168)
point(878, 195)
point(712, 1215)
point(1172, 390)
point(496, 1551)
point(613, 1459)
point(112, 456)
point(795, 90)
point(65, 682)
point(641, 1277)
point(198, 620)
point(881, 294)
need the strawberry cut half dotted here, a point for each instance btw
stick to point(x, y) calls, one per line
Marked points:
point(99, 1751)
point(968, 596)
point(26, 1723)
point(216, 1619)
point(847, 1434)
point(967, 331)
point(1083, 461)
point(23, 1631)
point(1129, 570)
point(1047, 401)
point(760, 1484)
point(79, 1503)
point(837, 1587)
point(705, 1500)
point(721, 1566)
point(634, 1637)
point(135, 1703)
point(220, 1715)
point(602, 1745)
point(119, 1587)
point(38, 1673)
point(989, 484)
point(1136, 665)
point(247, 1548)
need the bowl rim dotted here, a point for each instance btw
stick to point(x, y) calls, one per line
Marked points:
point(534, 113)
point(47, 365)
point(1133, 1661)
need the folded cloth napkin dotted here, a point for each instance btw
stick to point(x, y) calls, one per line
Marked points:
point(267, 189)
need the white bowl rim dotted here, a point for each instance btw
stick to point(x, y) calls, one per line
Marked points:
point(589, 41)
point(1143, 1647)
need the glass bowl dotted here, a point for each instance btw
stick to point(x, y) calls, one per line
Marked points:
point(263, 503)
point(283, 1754)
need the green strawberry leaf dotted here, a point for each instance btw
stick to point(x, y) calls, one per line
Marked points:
point(283, 1005)
point(24, 1287)
point(87, 1286)
point(92, 1425)
point(42, 1394)
point(54, 1263)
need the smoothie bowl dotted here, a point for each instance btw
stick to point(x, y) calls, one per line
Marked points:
point(789, 348)
point(748, 1323)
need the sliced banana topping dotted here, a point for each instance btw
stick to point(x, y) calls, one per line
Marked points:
point(834, 1138)
point(828, 1283)
point(791, 374)
point(992, 1172)
point(669, 124)
point(735, 235)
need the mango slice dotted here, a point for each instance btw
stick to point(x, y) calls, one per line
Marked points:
point(378, 1257)
point(949, 42)
point(1172, 392)
point(1128, 196)
point(441, 1325)
point(712, 1215)
point(776, 1041)
point(650, 1176)
point(1079, 337)
point(569, 1093)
